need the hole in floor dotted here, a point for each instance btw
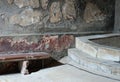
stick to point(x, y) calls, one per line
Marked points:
point(34, 65)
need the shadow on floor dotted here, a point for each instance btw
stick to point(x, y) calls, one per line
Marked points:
point(35, 65)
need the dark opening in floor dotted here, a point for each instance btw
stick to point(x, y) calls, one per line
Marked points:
point(34, 65)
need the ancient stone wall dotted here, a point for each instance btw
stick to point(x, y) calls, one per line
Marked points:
point(48, 17)
point(41, 25)
point(117, 17)
point(41, 16)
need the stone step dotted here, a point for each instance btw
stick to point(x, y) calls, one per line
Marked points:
point(85, 47)
point(68, 61)
point(96, 50)
point(92, 63)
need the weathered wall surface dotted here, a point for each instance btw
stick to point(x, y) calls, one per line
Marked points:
point(39, 16)
point(117, 16)
point(50, 17)
point(24, 44)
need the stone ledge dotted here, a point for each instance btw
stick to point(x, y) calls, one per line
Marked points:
point(69, 61)
point(87, 48)
point(93, 63)
point(99, 51)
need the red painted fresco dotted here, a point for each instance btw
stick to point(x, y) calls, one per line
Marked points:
point(65, 41)
point(5, 44)
point(55, 43)
point(46, 43)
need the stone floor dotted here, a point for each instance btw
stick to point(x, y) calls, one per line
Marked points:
point(64, 73)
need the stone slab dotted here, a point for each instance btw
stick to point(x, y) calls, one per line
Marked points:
point(69, 61)
point(108, 54)
point(64, 73)
point(93, 63)
point(89, 49)
point(96, 50)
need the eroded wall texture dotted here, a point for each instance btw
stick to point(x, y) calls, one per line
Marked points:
point(41, 16)
point(117, 16)
point(44, 25)
point(36, 20)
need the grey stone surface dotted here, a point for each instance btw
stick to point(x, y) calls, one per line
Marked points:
point(67, 60)
point(87, 48)
point(10, 1)
point(44, 3)
point(66, 26)
point(26, 17)
point(26, 3)
point(108, 54)
point(68, 10)
point(93, 13)
point(117, 17)
point(86, 45)
point(55, 12)
point(108, 41)
point(93, 63)
point(64, 73)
